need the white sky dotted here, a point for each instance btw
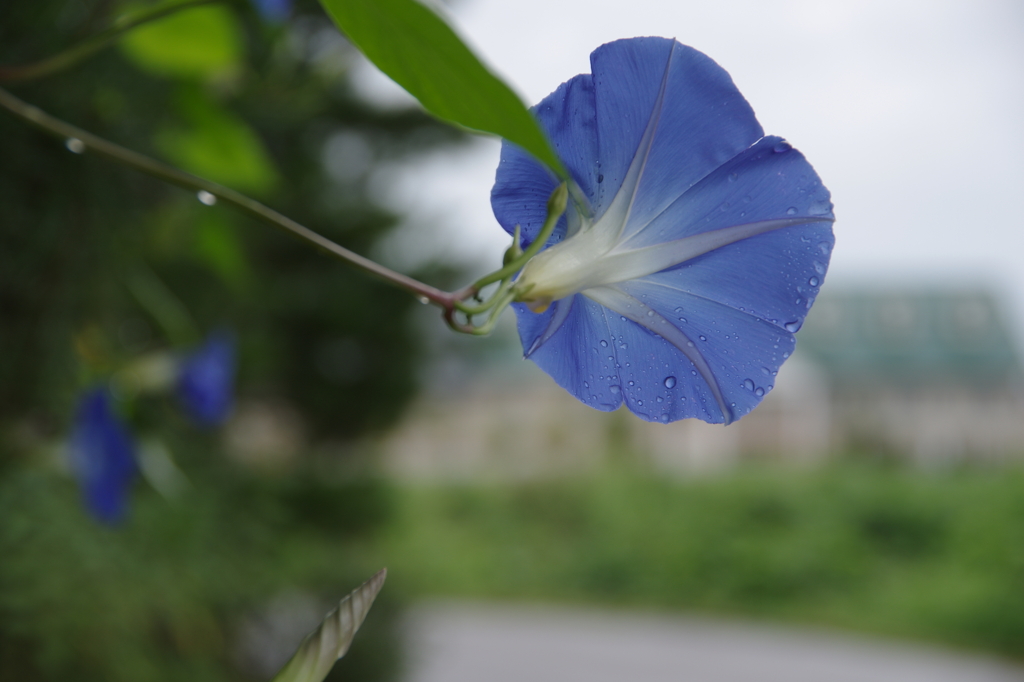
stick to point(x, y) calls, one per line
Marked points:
point(912, 111)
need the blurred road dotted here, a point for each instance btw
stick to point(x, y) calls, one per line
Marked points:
point(490, 643)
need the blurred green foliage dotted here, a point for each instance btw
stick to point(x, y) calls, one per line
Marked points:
point(922, 555)
point(99, 265)
point(204, 41)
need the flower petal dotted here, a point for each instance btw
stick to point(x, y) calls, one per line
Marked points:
point(620, 266)
point(603, 358)
point(522, 184)
point(775, 276)
point(579, 354)
point(206, 380)
point(102, 456)
point(768, 181)
point(703, 122)
point(742, 351)
point(632, 309)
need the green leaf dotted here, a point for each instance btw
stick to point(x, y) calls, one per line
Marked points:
point(193, 43)
point(420, 52)
point(329, 642)
point(217, 145)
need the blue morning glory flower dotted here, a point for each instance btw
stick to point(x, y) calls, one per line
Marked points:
point(206, 378)
point(692, 250)
point(102, 456)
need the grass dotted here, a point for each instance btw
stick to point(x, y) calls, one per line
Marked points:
point(929, 556)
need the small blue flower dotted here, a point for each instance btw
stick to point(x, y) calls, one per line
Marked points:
point(274, 11)
point(102, 456)
point(206, 379)
point(694, 244)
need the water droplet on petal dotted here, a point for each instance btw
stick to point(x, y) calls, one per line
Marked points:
point(663, 419)
point(759, 392)
point(614, 389)
point(630, 383)
point(781, 147)
point(813, 281)
point(670, 382)
point(679, 310)
point(824, 248)
point(792, 327)
point(600, 177)
point(74, 145)
point(819, 268)
point(604, 344)
point(640, 403)
point(690, 344)
point(650, 313)
point(702, 337)
point(791, 210)
point(820, 208)
point(660, 399)
point(206, 198)
point(748, 384)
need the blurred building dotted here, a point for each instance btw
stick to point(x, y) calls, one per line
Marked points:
point(932, 376)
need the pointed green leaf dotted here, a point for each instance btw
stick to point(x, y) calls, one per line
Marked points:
point(329, 642)
point(420, 52)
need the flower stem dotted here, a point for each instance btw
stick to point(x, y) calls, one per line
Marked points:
point(95, 43)
point(81, 141)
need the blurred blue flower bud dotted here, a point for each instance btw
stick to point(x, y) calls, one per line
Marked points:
point(102, 457)
point(206, 380)
point(274, 11)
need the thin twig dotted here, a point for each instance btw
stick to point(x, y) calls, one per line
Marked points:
point(81, 141)
point(93, 44)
